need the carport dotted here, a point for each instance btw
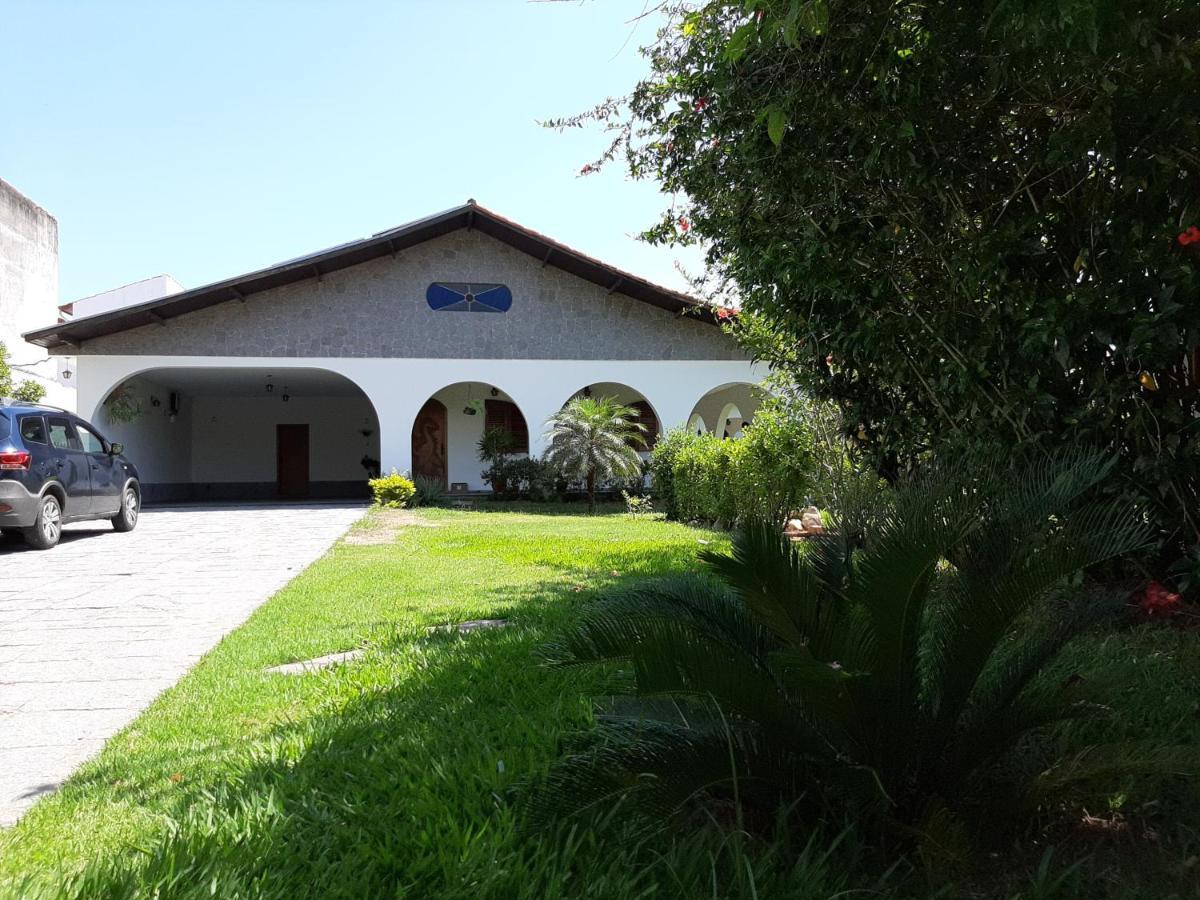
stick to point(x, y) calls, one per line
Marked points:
point(244, 433)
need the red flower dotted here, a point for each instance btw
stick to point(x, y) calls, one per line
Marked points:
point(588, 169)
point(726, 313)
point(1157, 602)
point(684, 224)
point(700, 103)
point(1191, 236)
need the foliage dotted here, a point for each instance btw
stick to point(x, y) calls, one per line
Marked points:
point(971, 225)
point(388, 770)
point(886, 674)
point(637, 504)
point(428, 491)
point(393, 491)
point(123, 405)
point(27, 389)
point(495, 444)
point(595, 439)
point(774, 468)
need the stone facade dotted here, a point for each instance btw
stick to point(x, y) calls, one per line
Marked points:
point(378, 310)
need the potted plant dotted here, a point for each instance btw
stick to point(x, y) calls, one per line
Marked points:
point(494, 447)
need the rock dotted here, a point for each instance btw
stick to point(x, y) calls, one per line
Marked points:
point(315, 665)
point(468, 627)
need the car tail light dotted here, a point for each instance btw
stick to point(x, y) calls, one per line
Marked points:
point(15, 459)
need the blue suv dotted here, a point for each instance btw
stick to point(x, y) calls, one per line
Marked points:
point(56, 468)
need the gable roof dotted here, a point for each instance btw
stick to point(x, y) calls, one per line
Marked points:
point(469, 216)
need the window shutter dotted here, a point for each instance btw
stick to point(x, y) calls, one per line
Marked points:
point(507, 415)
point(648, 420)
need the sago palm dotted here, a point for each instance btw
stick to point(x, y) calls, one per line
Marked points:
point(886, 671)
point(595, 439)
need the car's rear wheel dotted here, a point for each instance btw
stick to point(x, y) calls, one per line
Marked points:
point(127, 518)
point(47, 528)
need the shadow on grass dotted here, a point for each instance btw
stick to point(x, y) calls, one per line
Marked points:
point(399, 783)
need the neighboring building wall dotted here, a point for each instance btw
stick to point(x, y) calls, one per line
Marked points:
point(378, 310)
point(127, 295)
point(29, 290)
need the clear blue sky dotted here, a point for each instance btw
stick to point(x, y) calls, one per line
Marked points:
point(208, 139)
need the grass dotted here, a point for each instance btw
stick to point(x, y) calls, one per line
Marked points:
point(395, 775)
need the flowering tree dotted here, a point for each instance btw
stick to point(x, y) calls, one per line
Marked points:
point(969, 224)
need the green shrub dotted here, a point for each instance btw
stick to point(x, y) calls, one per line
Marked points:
point(393, 491)
point(770, 471)
point(889, 673)
point(429, 491)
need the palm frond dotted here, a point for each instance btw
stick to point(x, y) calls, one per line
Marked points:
point(1104, 763)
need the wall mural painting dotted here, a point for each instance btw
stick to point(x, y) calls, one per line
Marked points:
point(464, 296)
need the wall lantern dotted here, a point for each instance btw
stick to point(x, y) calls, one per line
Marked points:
point(270, 385)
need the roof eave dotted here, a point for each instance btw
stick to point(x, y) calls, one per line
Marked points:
point(315, 265)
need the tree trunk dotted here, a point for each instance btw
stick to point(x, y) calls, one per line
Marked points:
point(591, 489)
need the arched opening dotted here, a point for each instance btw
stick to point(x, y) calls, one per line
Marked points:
point(244, 433)
point(646, 415)
point(726, 410)
point(448, 430)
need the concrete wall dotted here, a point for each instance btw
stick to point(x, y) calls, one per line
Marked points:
point(397, 388)
point(127, 295)
point(746, 398)
point(378, 310)
point(464, 432)
point(161, 449)
point(29, 289)
point(233, 438)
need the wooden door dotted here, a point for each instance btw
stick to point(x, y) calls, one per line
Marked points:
point(291, 460)
point(429, 441)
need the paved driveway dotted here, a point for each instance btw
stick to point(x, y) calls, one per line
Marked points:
point(93, 630)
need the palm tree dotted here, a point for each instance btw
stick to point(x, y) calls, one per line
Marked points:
point(888, 672)
point(596, 439)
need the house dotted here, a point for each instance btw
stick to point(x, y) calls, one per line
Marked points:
point(394, 351)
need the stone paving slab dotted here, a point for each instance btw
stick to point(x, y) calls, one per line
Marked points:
point(93, 630)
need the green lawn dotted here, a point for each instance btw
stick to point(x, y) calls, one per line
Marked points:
point(395, 775)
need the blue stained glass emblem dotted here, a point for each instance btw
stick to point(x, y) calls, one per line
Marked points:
point(469, 297)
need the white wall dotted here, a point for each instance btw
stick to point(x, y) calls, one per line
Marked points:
point(127, 295)
point(233, 438)
point(29, 290)
point(747, 398)
point(399, 387)
point(161, 449)
point(464, 432)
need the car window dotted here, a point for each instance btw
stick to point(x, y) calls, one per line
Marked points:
point(33, 429)
point(62, 435)
point(4, 425)
point(91, 443)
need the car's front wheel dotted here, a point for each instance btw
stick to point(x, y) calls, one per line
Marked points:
point(126, 519)
point(47, 528)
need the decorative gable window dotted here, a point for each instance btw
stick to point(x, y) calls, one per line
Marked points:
point(464, 296)
point(507, 416)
